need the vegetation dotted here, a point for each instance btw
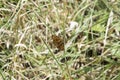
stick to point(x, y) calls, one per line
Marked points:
point(59, 40)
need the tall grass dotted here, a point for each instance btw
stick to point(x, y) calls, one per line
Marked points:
point(89, 29)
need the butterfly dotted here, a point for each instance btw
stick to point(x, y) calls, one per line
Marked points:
point(58, 42)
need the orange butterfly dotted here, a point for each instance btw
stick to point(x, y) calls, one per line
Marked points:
point(58, 42)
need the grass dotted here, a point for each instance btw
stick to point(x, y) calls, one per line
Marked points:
point(89, 29)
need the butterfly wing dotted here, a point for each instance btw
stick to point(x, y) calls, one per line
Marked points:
point(58, 42)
